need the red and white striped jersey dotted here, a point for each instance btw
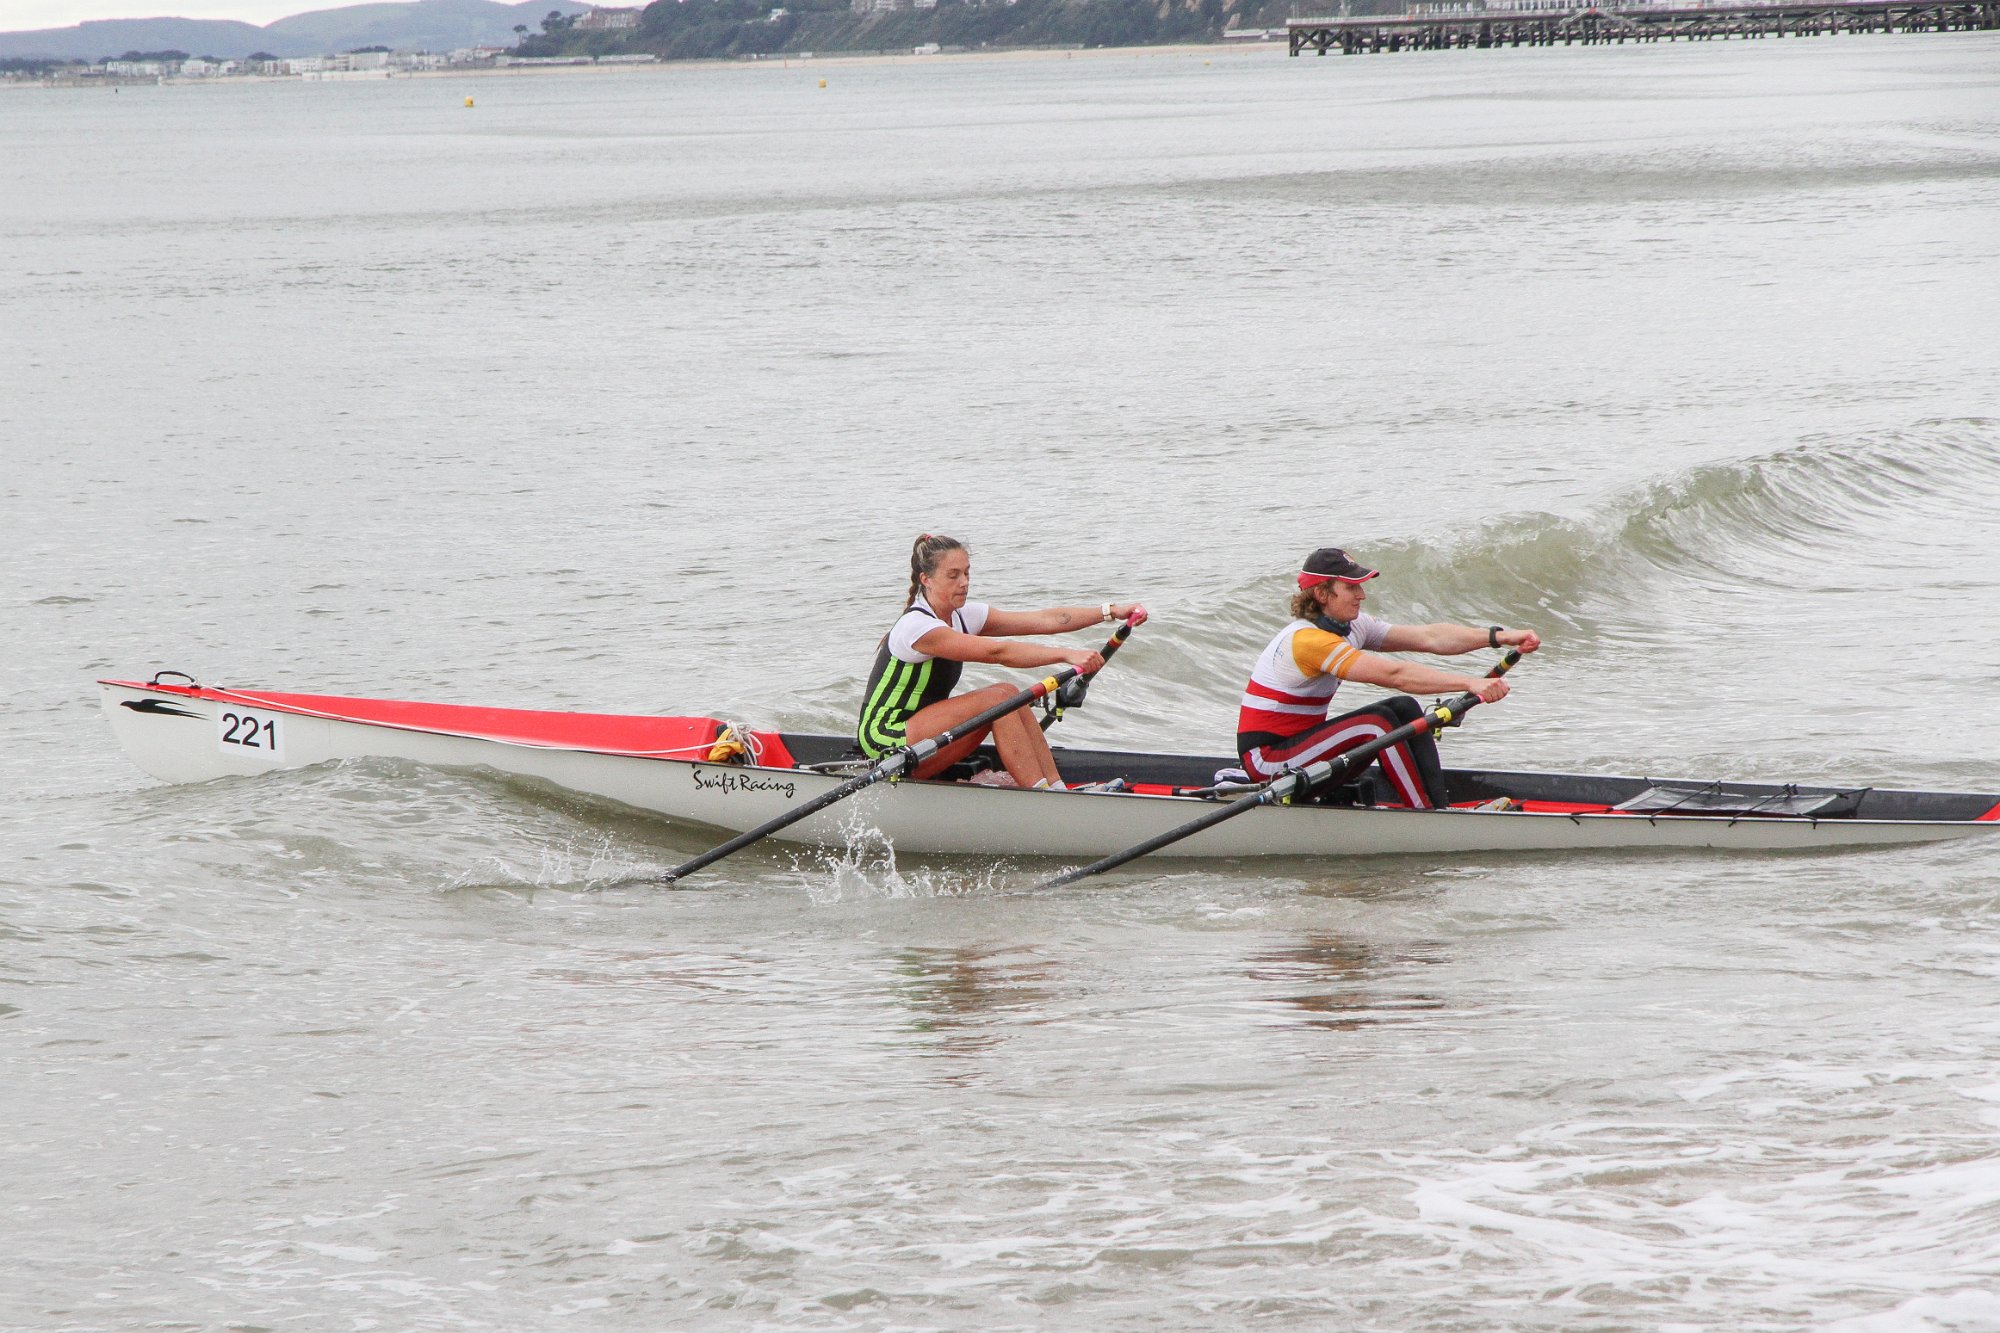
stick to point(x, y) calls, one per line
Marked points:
point(1292, 686)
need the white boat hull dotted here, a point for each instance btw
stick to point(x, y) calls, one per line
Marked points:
point(176, 735)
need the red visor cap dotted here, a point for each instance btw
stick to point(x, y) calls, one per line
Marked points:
point(1330, 562)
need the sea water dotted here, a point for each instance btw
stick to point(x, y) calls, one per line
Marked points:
point(627, 391)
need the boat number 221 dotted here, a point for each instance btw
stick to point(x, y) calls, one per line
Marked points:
point(238, 730)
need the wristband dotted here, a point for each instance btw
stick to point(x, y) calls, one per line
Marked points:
point(1493, 636)
point(1107, 610)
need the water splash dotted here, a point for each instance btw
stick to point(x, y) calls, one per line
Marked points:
point(864, 868)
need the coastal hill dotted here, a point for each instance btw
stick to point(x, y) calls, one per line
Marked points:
point(432, 25)
point(676, 29)
point(740, 29)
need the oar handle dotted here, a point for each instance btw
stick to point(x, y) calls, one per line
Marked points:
point(1071, 695)
point(890, 765)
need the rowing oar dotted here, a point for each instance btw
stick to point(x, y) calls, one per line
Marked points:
point(893, 764)
point(1298, 782)
point(1071, 695)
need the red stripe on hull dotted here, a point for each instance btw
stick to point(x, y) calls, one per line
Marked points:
point(606, 733)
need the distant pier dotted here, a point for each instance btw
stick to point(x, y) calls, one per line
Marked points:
point(1465, 28)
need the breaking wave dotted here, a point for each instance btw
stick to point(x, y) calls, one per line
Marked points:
point(1823, 510)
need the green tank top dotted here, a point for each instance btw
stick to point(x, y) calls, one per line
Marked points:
point(898, 689)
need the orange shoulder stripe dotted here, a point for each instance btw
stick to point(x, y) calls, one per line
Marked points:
point(1315, 652)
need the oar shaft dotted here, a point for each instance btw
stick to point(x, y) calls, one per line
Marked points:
point(1157, 841)
point(1345, 765)
point(890, 765)
point(792, 816)
point(1296, 783)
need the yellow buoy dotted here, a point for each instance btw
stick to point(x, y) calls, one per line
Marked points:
point(468, 101)
point(822, 83)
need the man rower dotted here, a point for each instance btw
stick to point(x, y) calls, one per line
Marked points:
point(1283, 723)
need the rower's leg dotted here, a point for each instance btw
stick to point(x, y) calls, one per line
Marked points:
point(1024, 749)
point(1417, 757)
point(1411, 768)
point(945, 714)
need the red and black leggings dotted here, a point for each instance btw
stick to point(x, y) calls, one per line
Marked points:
point(1412, 766)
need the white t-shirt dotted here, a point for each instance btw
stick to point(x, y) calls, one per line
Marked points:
point(920, 620)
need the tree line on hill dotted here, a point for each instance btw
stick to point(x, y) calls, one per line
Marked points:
point(49, 65)
point(723, 29)
point(52, 65)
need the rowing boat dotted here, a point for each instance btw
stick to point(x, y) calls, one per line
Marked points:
point(696, 769)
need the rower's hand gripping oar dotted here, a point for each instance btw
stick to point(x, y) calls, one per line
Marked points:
point(1071, 695)
point(1447, 713)
point(893, 764)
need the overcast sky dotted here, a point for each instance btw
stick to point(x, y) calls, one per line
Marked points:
point(16, 15)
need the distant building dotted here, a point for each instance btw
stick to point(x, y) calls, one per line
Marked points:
point(608, 20)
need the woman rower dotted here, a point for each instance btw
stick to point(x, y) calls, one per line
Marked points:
point(909, 694)
point(1284, 724)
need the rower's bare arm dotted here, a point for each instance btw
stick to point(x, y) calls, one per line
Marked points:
point(1447, 640)
point(1054, 620)
point(950, 643)
point(1058, 619)
point(1416, 678)
point(1451, 640)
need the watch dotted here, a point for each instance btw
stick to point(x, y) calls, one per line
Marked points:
point(1493, 635)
